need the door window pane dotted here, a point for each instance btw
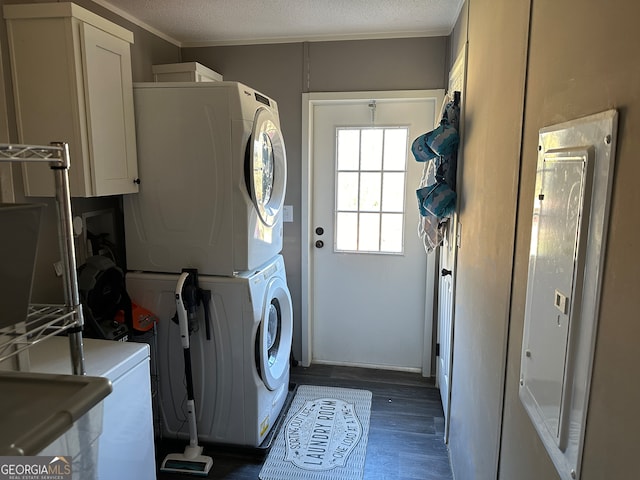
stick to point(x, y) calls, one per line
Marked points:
point(391, 229)
point(369, 232)
point(346, 231)
point(370, 189)
point(370, 192)
point(371, 149)
point(347, 191)
point(348, 149)
point(395, 145)
point(393, 193)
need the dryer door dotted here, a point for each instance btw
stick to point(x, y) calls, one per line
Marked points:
point(275, 334)
point(267, 166)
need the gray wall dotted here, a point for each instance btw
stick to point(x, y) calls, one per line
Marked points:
point(596, 68)
point(529, 66)
point(285, 71)
point(492, 126)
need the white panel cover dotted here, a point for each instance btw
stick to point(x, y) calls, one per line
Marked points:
point(570, 217)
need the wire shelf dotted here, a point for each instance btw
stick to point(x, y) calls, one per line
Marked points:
point(31, 153)
point(43, 321)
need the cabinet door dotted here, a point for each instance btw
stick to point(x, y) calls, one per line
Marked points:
point(46, 98)
point(106, 61)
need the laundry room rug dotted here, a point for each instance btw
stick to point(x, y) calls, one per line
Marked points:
point(323, 436)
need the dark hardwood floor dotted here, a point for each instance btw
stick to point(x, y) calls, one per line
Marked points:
point(405, 433)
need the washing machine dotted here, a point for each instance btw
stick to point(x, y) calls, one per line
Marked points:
point(213, 174)
point(240, 353)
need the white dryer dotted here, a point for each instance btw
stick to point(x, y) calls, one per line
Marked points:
point(213, 174)
point(240, 373)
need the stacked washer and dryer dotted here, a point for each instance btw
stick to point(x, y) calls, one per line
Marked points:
point(212, 166)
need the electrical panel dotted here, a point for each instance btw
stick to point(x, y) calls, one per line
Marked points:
point(568, 232)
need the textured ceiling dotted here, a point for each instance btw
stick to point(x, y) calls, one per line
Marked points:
point(219, 22)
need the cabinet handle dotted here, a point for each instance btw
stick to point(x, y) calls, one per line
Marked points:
point(136, 181)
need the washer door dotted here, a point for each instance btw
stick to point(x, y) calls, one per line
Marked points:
point(267, 166)
point(275, 334)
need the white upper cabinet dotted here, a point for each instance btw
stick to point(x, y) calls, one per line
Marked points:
point(184, 72)
point(72, 82)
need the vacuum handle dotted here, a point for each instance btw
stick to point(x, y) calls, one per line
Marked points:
point(205, 295)
point(183, 321)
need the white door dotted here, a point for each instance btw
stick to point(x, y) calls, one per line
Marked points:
point(368, 266)
point(445, 318)
point(448, 255)
point(109, 103)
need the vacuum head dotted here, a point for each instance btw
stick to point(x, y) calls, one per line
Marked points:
point(190, 462)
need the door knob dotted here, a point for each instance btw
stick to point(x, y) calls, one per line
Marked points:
point(319, 231)
point(319, 244)
point(445, 272)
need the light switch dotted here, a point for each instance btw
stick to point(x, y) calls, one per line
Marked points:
point(561, 302)
point(287, 213)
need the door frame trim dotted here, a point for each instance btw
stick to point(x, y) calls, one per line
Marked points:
point(309, 101)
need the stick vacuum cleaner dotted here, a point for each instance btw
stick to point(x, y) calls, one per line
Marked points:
point(191, 461)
